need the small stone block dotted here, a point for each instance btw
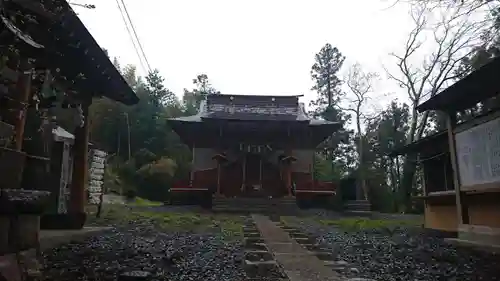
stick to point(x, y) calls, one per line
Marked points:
point(325, 256)
point(298, 235)
point(253, 240)
point(304, 241)
point(250, 229)
point(258, 256)
point(252, 235)
point(259, 268)
point(256, 247)
point(336, 265)
point(135, 276)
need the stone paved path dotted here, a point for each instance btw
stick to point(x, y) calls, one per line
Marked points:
point(298, 263)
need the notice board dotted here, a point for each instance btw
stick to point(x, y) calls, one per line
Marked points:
point(478, 154)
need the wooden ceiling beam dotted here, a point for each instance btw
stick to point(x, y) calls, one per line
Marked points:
point(35, 7)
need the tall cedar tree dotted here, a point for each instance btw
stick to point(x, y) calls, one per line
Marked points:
point(324, 74)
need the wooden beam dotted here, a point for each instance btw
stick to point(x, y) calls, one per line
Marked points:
point(462, 210)
point(218, 178)
point(80, 166)
point(35, 7)
point(22, 96)
point(288, 171)
point(192, 163)
point(424, 176)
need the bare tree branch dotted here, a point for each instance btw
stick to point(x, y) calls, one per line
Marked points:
point(360, 86)
point(452, 29)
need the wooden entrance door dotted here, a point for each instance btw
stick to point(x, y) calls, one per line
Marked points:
point(231, 178)
point(252, 169)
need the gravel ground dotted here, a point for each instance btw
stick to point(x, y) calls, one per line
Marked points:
point(407, 254)
point(140, 245)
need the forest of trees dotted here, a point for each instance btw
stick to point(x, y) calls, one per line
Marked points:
point(147, 156)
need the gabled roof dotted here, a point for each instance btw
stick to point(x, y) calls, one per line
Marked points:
point(299, 114)
point(203, 126)
point(478, 86)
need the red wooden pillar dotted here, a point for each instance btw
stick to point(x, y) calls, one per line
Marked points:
point(78, 196)
point(220, 158)
point(287, 161)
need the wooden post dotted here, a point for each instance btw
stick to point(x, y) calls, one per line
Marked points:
point(192, 164)
point(288, 172)
point(445, 169)
point(218, 177)
point(128, 136)
point(462, 211)
point(423, 176)
point(244, 172)
point(289, 178)
point(80, 165)
point(23, 95)
point(312, 166)
point(260, 171)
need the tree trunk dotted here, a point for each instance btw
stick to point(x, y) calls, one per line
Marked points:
point(406, 185)
point(409, 165)
point(362, 164)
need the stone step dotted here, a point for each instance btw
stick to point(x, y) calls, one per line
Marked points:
point(250, 204)
point(358, 205)
point(253, 205)
point(258, 255)
point(250, 210)
point(357, 213)
point(253, 201)
point(296, 261)
point(259, 268)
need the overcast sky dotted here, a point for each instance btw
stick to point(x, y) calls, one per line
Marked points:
point(250, 47)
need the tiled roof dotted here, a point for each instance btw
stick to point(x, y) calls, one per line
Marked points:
point(273, 108)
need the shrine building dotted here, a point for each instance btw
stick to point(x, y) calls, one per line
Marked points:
point(253, 146)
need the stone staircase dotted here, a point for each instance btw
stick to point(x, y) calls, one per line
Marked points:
point(255, 205)
point(358, 207)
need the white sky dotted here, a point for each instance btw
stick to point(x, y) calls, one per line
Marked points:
point(250, 47)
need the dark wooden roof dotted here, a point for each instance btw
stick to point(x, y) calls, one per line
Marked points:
point(69, 50)
point(272, 121)
point(239, 107)
point(419, 145)
point(253, 99)
point(478, 86)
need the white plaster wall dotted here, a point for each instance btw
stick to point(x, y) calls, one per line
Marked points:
point(304, 160)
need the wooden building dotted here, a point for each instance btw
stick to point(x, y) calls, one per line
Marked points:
point(45, 48)
point(462, 164)
point(433, 156)
point(253, 146)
